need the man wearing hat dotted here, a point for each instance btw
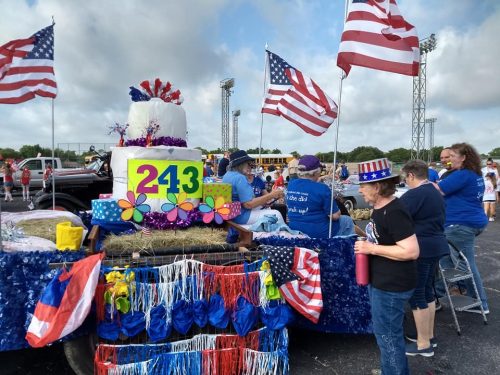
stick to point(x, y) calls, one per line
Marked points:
point(392, 248)
point(239, 167)
point(309, 203)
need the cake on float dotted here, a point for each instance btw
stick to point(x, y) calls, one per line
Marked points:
point(157, 180)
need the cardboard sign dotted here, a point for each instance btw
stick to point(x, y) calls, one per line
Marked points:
point(156, 178)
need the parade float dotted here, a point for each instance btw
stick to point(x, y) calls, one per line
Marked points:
point(170, 294)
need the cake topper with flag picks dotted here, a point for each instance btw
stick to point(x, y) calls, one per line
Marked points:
point(156, 89)
point(121, 130)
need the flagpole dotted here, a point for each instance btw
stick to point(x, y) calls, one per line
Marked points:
point(53, 160)
point(337, 136)
point(262, 114)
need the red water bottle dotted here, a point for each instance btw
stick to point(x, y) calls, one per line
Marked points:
point(362, 267)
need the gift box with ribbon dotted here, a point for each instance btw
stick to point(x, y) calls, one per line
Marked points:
point(217, 190)
point(106, 210)
point(234, 210)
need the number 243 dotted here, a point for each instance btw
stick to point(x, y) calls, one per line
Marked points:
point(169, 178)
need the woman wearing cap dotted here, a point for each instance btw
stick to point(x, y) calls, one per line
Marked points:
point(465, 218)
point(393, 248)
point(242, 191)
point(309, 203)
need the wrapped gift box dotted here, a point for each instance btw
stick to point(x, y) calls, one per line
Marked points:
point(235, 210)
point(106, 210)
point(218, 190)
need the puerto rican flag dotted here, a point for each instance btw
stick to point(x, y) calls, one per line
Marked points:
point(65, 302)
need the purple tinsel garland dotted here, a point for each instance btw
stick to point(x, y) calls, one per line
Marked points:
point(158, 220)
point(159, 141)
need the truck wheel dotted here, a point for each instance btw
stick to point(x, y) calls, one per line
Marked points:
point(349, 204)
point(60, 206)
point(80, 354)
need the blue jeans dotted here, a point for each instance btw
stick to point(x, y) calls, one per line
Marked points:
point(387, 310)
point(424, 292)
point(346, 226)
point(464, 238)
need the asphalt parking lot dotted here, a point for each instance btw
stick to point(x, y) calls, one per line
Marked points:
point(476, 351)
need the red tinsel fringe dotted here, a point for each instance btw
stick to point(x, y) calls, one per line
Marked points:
point(220, 362)
point(230, 286)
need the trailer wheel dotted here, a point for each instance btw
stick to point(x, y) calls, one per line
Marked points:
point(80, 354)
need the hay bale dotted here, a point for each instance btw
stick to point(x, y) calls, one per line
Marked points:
point(44, 228)
point(163, 239)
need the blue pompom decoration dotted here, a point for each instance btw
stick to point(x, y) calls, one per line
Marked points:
point(137, 95)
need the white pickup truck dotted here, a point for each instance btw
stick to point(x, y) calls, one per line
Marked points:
point(37, 167)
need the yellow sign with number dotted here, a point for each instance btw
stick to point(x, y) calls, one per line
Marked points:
point(156, 178)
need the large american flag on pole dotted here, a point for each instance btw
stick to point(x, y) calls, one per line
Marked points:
point(27, 68)
point(297, 98)
point(377, 36)
point(296, 272)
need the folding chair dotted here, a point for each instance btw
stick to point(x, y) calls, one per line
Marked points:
point(460, 272)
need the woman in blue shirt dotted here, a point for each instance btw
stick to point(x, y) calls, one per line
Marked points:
point(239, 167)
point(465, 218)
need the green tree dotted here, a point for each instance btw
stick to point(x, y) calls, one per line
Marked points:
point(399, 155)
point(276, 151)
point(9, 153)
point(364, 153)
point(495, 153)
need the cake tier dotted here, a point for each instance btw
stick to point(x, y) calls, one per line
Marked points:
point(119, 166)
point(170, 117)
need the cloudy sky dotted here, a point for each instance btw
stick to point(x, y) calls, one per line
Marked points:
point(102, 47)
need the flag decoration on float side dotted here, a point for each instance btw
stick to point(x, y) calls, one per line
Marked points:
point(377, 36)
point(297, 98)
point(65, 302)
point(27, 68)
point(296, 272)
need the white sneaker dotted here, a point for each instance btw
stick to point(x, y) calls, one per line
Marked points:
point(492, 219)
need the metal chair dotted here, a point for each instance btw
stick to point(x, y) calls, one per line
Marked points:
point(460, 272)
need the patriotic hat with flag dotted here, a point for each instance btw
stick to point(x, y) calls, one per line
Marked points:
point(375, 170)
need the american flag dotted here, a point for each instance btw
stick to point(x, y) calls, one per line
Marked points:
point(377, 36)
point(296, 272)
point(146, 231)
point(27, 68)
point(297, 98)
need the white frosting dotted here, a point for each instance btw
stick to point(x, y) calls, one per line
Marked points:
point(119, 163)
point(170, 117)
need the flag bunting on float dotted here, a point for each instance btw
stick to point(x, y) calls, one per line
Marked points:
point(296, 272)
point(65, 302)
point(27, 68)
point(377, 36)
point(297, 98)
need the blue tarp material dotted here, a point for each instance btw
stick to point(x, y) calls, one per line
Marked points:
point(23, 278)
point(346, 307)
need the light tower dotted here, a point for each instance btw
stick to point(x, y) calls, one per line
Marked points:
point(226, 85)
point(419, 97)
point(236, 114)
point(430, 122)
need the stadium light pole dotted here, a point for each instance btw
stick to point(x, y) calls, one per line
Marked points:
point(236, 114)
point(419, 98)
point(430, 122)
point(226, 85)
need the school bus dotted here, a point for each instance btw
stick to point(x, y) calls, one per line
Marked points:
point(267, 160)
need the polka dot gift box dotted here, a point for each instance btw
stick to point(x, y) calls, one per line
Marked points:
point(217, 190)
point(106, 210)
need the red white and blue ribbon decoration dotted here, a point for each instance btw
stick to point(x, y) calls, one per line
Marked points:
point(156, 89)
point(65, 302)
